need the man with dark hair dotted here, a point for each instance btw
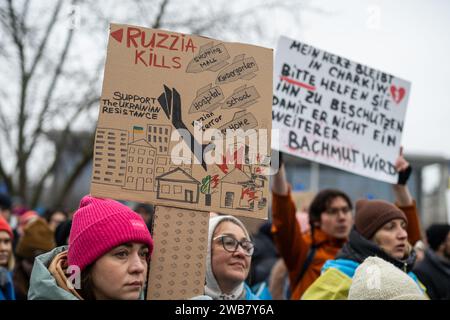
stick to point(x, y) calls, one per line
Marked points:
point(330, 215)
point(331, 220)
point(434, 270)
point(324, 213)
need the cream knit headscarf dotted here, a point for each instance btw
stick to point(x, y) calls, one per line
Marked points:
point(212, 288)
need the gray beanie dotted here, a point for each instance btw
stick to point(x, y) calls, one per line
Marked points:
point(377, 279)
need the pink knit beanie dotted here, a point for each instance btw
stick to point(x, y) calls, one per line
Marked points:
point(100, 225)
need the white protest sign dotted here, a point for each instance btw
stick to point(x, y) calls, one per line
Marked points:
point(337, 112)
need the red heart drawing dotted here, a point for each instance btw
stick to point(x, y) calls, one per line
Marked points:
point(397, 93)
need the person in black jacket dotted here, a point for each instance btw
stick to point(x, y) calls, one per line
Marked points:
point(434, 270)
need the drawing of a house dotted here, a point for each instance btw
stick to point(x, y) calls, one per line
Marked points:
point(241, 191)
point(231, 188)
point(140, 166)
point(178, 185)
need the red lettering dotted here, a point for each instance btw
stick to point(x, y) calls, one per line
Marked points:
point(151, 43)
point(163, 65)
point(164, 38)
point(176, 62)
point(138, 56)
point(190, 45)
point(131, 37)
point(175, 40)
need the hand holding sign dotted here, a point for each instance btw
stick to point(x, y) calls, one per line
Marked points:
point(403, 167)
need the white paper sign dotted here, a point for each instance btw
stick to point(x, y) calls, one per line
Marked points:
point(337, 112)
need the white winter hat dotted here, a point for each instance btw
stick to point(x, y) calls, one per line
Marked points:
point(377, 279)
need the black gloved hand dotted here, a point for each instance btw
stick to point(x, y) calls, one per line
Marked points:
point(404, 175)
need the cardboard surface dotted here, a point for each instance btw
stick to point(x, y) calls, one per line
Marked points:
point(162, 91)
point(338, 112)
point(178, 264)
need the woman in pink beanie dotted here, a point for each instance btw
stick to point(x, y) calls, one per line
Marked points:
point(107, 257)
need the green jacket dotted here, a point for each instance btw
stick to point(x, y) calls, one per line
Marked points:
point(42, 284)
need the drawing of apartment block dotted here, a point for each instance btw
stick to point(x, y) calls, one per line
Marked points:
point(140, 171)
point(159, 137)
point(110, 156)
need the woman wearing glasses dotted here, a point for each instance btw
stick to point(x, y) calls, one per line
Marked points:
point(228, 260)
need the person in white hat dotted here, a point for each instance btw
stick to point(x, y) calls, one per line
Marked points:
point(377, 279)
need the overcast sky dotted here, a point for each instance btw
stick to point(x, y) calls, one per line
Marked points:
point(407, 38)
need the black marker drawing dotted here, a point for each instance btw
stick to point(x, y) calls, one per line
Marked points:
point(110, 156)
point(241, 120)
point(241, 68)
point(170, 102)
point(177, 185)
point(140, 166)
point(207, 99)
point(242, 190)
point(242, 97)
point(211, 58)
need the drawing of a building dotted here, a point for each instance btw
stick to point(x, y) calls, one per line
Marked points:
point(241, 191)
point(159, 137)
point(177, 185)
point(164, 164)
point(140, 166)
point(231, 188)
point(110, 156)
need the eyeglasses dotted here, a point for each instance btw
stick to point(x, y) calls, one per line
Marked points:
point(230, 244)
point(344, 210)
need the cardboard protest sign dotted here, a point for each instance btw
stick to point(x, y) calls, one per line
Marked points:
point(177, 270)
point(162, 92)
point(338, 112)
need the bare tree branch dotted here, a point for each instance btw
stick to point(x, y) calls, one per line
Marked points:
point(6, 128)
point(24, 15)
point(77, 170)
point(44, 41)
point(162, 10)
point(59, 149)
point(22, 101)
point(50, 92)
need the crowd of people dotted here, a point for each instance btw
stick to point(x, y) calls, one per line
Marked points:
point(368, 249)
